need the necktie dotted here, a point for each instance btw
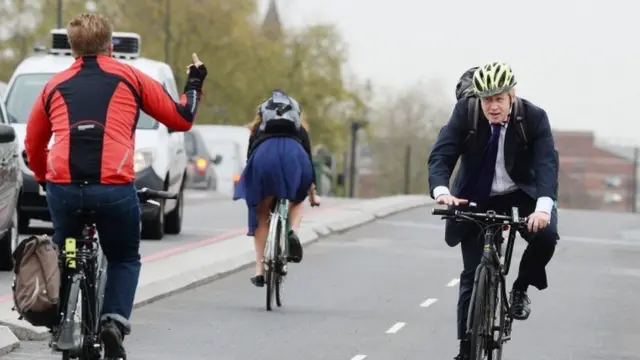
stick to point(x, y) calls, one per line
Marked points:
point(488, 168)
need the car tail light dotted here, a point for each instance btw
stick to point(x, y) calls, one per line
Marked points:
point(201, 165)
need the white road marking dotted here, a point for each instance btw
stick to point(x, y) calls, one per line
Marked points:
point(396, 327)
point(428, 302)
point(359, 357)
point(453, 282)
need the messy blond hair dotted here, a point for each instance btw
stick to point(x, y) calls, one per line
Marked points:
point(253, 126)
point(89, 35)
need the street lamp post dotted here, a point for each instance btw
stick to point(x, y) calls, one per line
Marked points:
point(59, 21)
point(355, 126)
point(167, 28)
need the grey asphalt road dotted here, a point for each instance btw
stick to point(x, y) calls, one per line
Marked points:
point(206, 215)
point(358, 296)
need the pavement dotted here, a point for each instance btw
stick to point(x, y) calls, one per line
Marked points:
point(387, 290)
point(213, 243)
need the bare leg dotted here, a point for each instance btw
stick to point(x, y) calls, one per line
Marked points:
point(260, 236)
point(295, 215)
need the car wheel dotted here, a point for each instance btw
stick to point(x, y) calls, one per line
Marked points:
point(8, 243)
point(153, 229)
point(173, 223)
point(23, 223)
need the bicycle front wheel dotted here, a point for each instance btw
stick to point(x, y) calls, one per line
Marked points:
point(481, 331)
point(502, 326)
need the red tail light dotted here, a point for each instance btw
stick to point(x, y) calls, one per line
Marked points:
point(201, 165)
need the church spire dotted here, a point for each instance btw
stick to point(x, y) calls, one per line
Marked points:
point(271, 26)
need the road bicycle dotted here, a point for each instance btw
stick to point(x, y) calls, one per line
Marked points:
point(276, 251)
point(489, 322)
point(84, 270)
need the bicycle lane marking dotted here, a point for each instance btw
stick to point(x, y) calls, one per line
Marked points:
point(163, 254)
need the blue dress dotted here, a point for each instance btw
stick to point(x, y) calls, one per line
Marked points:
point(278, 167)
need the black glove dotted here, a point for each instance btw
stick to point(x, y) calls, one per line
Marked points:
point(195, 77)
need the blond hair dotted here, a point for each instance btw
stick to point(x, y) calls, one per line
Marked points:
point(253, 125)
point(89, 35)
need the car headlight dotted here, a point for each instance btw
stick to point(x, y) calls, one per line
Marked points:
point(142, 159)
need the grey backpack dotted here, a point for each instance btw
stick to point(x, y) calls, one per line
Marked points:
point(280, 111)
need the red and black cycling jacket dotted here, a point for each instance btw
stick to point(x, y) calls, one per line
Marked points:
point(92, 110)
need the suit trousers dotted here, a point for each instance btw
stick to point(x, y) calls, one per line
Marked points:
point(539, 251)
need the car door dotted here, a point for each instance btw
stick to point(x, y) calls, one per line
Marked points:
point(178, 161)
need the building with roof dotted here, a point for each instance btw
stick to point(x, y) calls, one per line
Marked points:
point(593, 174)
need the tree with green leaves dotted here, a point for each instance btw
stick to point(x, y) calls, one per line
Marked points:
point(245, 63)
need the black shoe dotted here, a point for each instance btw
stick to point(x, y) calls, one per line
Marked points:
point(463, 354)
point(258, 280)
point(295, 248)
point(112, 338)
point(520, 305)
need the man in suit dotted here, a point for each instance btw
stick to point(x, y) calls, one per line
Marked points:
point(497, 172)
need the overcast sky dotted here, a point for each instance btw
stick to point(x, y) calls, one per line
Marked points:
point(579, 60)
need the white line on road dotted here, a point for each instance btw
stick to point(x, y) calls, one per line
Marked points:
point(453, 282)
point(396, 327)
point(359, 357)
point(428, 302)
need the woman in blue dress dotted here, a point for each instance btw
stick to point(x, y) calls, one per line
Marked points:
point(279, 164)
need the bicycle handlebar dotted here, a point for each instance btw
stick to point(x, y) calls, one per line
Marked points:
point(145, 194)
point(514, 219)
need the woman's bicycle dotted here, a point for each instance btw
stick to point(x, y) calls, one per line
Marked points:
point(276, 251)
point(84, 271)
point(489, 322)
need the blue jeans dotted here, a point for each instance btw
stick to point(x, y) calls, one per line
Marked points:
point(117, 218)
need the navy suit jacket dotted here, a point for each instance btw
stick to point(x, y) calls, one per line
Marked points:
point(532, 166)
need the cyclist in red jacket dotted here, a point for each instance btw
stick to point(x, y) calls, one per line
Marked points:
point(92, 109)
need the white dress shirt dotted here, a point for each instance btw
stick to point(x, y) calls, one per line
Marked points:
point(502, 182)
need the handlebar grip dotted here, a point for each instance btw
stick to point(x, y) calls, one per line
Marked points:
point(443, 212)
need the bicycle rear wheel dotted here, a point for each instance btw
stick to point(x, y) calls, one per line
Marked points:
point(271, 258)
point(280, 264)
point(481, 331)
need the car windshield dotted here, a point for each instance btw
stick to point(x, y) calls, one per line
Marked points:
point(25, 90)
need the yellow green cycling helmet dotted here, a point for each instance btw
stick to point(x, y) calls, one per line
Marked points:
point(494, 78)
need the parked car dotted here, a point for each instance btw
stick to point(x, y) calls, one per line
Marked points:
point(231, 143)
point(201, 173)
point(160, 162)
point(10, 187)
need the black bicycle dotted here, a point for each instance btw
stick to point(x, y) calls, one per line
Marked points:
point(84, 271)
point(489, 321)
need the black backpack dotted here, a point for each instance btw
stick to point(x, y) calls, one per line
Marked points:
point(473, 108)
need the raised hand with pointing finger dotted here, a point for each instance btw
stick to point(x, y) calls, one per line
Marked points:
point(196, 73)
